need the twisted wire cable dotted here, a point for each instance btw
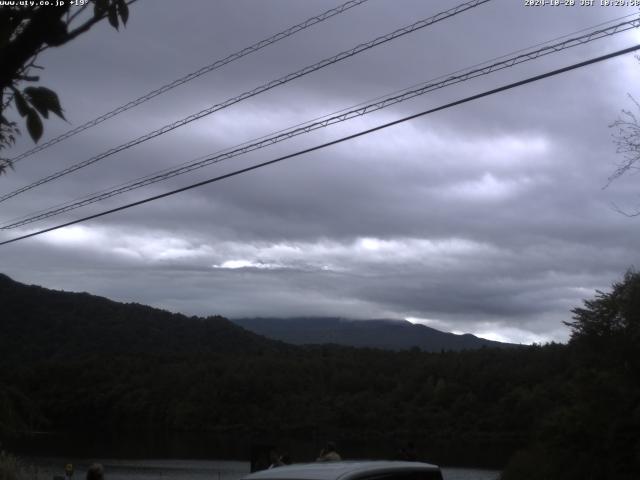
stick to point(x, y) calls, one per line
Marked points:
point(193, 75)
point(251, 93)
point(315, 125)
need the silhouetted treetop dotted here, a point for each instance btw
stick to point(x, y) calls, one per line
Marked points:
point(610, 314)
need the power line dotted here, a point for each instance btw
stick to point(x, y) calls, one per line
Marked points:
point(263, 88)
point(193, 75)
point(325, 122)
point(335, 142)
point(494, 59)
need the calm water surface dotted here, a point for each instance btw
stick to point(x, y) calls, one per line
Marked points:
point(190, 469)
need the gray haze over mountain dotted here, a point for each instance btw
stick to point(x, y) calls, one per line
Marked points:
point(488, 218)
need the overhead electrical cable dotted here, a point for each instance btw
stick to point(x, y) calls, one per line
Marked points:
point(316, 124)
point(251, 93)
point(333, 142)
point(193, 75)
point(494, 59)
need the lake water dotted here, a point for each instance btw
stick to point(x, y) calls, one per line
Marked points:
point(168, 469)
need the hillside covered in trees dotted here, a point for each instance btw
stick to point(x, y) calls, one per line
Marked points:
point(71, 361)
point(41, 324)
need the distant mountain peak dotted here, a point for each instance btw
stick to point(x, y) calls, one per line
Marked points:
point(389, 334)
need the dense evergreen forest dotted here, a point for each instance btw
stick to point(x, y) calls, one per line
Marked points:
point(75, 361)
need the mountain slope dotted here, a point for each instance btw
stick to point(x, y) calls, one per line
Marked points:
point(41, 324)
point(386, 334)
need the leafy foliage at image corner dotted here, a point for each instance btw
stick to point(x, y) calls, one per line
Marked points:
point(9, 466)
point(12, 468)
point(25, 32)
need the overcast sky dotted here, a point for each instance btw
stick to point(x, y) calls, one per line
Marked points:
point(489, 217)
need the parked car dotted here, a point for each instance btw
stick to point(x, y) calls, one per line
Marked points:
point(351, 470)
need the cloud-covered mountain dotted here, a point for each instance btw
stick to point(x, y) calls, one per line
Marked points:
point(43, 324)
point(386, 334)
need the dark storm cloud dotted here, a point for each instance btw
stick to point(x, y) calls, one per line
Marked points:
point(489, 217)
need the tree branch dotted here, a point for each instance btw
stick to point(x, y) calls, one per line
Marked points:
point(84, 27)
point(78, 12)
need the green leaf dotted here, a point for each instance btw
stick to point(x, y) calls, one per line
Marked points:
point(38, 104)
point(99, 7)
point(123, 10)
point(44, 100)
point(21, 103)
point(4, 164)
point(113, 16)
point(34, 125)
point(5, 34)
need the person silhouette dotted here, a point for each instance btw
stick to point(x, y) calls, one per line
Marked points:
point(95, 472)
point(329, 454)
point(68, 471)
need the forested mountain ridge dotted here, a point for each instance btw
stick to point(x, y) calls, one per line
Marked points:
point(42, 324)
point(385, 334)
